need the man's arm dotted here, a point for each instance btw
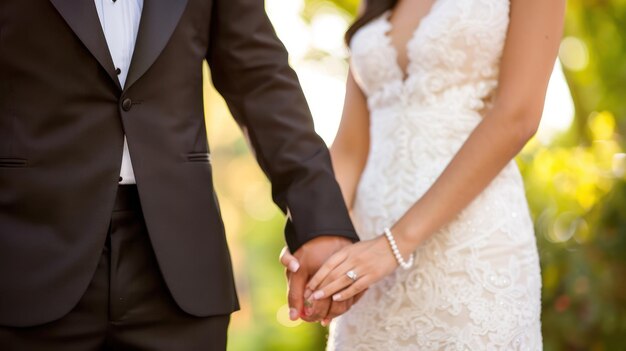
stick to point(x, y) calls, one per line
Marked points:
point(250, 69)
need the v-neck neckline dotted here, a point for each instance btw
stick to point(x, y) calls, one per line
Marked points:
point(405, 73)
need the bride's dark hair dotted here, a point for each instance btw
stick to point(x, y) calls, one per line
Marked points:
point(373, 9)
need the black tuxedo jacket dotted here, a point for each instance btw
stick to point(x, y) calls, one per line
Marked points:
point(63, 115)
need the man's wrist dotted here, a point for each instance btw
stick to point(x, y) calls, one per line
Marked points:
point(348, 235)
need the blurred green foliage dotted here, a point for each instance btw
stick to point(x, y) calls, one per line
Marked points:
point(576, 189)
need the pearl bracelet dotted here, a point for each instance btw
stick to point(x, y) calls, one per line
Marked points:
point(394, 248)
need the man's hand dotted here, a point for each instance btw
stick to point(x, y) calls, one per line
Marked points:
point(301, 266)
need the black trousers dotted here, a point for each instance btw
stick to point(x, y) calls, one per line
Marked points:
point(127, 305)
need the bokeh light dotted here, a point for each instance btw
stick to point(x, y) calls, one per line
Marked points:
point(574, 54)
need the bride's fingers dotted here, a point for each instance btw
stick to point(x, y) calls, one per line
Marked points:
point(322, 273)
point(338, 282)
point(359, 286)
point(288, 260)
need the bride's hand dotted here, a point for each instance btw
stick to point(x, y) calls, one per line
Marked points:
point(353, 269)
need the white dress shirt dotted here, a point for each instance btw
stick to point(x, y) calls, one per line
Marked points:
point(120, 23)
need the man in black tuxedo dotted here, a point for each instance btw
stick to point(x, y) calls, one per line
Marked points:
point(90, 260)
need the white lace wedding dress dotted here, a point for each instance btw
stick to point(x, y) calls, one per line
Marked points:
point(476, 284)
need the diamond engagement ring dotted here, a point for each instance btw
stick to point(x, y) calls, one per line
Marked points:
point(352, 275)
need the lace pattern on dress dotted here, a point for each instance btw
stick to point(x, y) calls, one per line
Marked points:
point(476, 283)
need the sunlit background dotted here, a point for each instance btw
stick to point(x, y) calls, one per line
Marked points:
point(575, 172)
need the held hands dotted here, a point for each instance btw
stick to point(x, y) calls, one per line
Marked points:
point(301, 266)
point(343, 278)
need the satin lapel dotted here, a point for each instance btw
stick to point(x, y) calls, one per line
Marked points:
point(158, 21)
point(83, 19)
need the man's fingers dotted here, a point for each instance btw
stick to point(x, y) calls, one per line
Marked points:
point(295, 296)
point(288, 260)
point(337, 308)
point(317, 311)
point(311, 257)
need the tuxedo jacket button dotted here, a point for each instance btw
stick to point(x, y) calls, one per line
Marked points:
point(127, 104)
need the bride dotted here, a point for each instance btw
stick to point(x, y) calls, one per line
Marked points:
point(441, 96)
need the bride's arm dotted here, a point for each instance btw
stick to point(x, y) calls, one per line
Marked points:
point(350, 149)
point(530, 50)
point(531, 47)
